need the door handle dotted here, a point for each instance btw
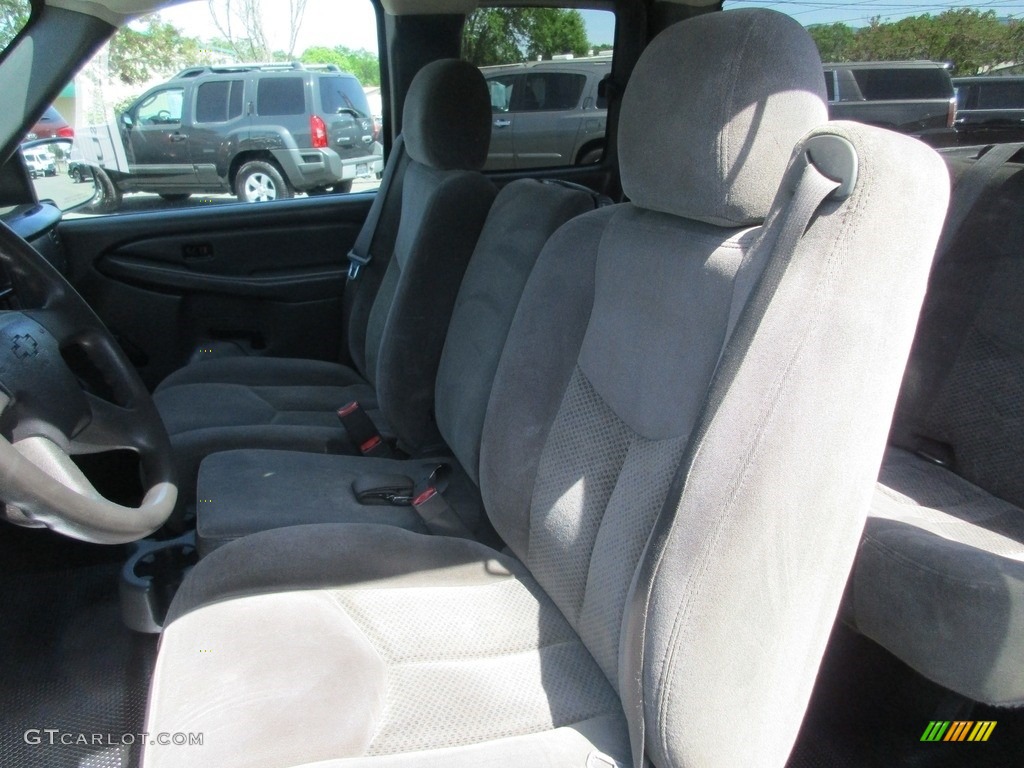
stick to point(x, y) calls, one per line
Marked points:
point(177, 137)
point(502, 123)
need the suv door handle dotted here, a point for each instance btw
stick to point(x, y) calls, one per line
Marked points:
point(178, 136)
point(499, 123)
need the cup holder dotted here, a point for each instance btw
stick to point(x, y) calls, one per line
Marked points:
point(151, 577)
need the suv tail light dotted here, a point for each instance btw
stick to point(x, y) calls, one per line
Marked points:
point(951, 113)
point(319, 132)
point(66, 132)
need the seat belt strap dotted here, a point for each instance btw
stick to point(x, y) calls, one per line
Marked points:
point(812, 190)
point(361, 254)
point(969, 188)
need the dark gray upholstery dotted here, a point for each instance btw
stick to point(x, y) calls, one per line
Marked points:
point(939, 579)
point(447, 120)
point(243, 492)
point(718, 603)
point(523, 217)
point(267, 403)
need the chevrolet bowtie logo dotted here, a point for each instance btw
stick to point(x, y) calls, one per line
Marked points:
point(23, 346)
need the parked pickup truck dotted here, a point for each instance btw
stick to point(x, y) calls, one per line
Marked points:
point(913, 97)
point(989, 109)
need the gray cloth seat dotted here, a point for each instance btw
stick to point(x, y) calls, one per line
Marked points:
point(291, 404)
point(671, 574)
point(939, 580)
point(246, 491)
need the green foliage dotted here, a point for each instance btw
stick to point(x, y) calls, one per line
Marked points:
point(160, 49)
point(14, 15)
point(971, 40)
point(507, 35)
point(361, 63)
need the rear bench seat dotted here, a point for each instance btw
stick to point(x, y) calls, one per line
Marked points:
point(939, 579)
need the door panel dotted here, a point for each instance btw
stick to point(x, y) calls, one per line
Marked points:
point(267, 277)
point(501, 153)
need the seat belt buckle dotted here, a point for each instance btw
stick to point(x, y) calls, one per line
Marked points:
point(374, 446)
point(362, 431)
point(356, 263)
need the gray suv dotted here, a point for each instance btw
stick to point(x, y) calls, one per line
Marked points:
point(262, 131)
point(547, 113)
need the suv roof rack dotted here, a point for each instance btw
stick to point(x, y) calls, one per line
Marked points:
point(265, 66)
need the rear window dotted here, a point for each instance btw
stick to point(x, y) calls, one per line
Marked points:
point(895, 84)
point(343, 95)
point(280, 96)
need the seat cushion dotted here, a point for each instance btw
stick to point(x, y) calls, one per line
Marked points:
point(371, 642)
point(243, 492)
point(242, 402)
point(941, 553)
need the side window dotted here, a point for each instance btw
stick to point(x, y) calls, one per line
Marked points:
point(308, 84)
point(545, 91)
point(219, 101)
point(502, 90)
point(280, 96)
point(161, 108)
point(543, 66)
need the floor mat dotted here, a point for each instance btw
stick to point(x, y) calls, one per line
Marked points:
point(869, 710)
point(73, 679)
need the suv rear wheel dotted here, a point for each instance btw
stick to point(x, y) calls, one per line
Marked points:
point(259, 180)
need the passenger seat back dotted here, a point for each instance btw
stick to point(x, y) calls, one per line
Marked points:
point(445, 200)
point(715, 622)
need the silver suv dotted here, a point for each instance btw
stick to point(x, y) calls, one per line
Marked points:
point(547, 113)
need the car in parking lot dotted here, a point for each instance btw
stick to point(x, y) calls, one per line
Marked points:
point(547, 113)
point(262, 131)
point(40, 162)
point(50, 125)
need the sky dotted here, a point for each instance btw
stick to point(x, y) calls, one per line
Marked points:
point(858, 13)
point(352, 23)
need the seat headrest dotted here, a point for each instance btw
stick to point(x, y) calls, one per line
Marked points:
point(712, 112)
point(447, 116)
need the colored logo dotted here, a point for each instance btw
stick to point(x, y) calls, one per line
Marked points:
point(958, 730)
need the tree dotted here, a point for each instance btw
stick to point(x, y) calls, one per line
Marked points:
point(241, 23)
point(158, 50)
point(14, 15)
point(834, 41)
point(361, 63)
point(506, 35)
point(972, 41)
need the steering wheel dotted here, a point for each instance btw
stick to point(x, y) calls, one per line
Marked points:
point(163, 116)
point(66, 388)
